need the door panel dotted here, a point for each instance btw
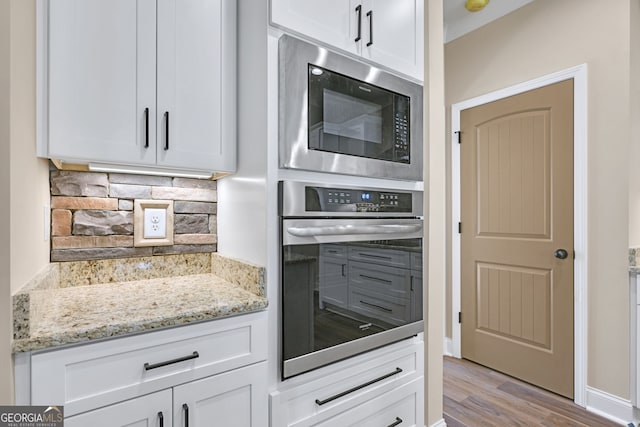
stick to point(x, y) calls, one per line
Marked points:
point(513, 161)
point(516, 210)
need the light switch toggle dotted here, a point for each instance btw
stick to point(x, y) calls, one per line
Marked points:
point(155, 223)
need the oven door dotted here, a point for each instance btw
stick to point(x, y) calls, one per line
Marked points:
point(348, 286)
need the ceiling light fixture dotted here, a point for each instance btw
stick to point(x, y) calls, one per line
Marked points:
point(476, 5)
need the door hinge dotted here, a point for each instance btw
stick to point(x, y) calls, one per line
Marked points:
point(459, 134)
point(459, 317)
point(459, 228)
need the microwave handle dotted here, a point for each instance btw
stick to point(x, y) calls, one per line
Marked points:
point(347, 230)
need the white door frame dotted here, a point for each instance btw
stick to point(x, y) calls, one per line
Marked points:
point(579, 74)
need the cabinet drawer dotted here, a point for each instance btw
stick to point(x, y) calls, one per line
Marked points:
point(390, 281)
point(396, 408)
point(338, 251)
point(390, 257)
point(99, 374)
point(396, 311)
point(295, 404)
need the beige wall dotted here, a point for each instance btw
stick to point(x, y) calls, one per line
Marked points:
point(5, 280)
point(436, 179)
point(29, 175)
point(634, 151)
point(547, 36)
point(23, 177)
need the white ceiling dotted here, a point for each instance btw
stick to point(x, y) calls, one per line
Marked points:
point(458, 21)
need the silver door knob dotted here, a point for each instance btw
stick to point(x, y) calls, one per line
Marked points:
point(560, 253)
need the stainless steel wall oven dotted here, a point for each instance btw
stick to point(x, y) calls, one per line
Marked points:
point(351, 271)
point(344, 116)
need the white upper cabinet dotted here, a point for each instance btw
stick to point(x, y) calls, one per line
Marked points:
point(101, 77)
point(196, 83)
point(115, 75)
point(387, 32)
point(394, 34)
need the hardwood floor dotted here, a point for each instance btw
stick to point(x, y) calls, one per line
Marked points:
point(477, 396)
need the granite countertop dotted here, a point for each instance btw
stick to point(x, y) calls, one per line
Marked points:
point(51, 311)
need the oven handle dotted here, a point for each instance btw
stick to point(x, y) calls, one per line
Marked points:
point(347, 230)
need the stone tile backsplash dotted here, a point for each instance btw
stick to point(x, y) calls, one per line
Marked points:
point(92, 214)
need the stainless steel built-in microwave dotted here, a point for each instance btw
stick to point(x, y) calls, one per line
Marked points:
point(340, 115)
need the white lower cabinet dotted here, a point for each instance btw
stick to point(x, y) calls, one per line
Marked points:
point(381, 388)
point(237, 398)
point(395, 408)
point(151, 410)
point(205, 374)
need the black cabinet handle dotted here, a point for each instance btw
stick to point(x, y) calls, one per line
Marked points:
point(343, 270)
point(370, 16)
point(359, 12)
point(356, 388)
point(185, 409)
point(397, 422)
point(379, 307)
point(161, 418)
point(376, 279)
point(166, 130)
point(146, 127)
point(149, 366)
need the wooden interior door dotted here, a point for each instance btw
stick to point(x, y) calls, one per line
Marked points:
point(517, 236)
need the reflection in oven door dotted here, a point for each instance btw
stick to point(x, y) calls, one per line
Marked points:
point(334, 293)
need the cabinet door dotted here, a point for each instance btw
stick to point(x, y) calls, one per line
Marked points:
point(196, 84)
point(237, 398)
point(101, 78)
point(150, 410)
point(416, 295)
point(393, 34)
point(332, 281)
point(334, 22)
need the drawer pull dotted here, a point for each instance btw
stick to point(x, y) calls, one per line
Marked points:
point(377, 279)
point(379, 307)
point(148, 367)
point(161, 419)
point(362, 254)
point(356, 388)
point(185, 409)
point(397, 422)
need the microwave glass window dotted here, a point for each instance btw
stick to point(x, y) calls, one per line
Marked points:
point(348, 116)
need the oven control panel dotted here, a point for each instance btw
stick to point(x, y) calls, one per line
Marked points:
point(323, 199)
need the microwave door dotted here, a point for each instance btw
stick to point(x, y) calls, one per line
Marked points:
point(347, 116)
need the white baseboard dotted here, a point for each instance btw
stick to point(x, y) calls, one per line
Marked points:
point(440, 423)
point(448, 346)
point(609, 406)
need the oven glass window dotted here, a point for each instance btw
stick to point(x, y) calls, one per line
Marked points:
point(338, 292)
point(348, 116)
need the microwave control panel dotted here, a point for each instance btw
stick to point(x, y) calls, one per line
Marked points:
point(322, 199)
